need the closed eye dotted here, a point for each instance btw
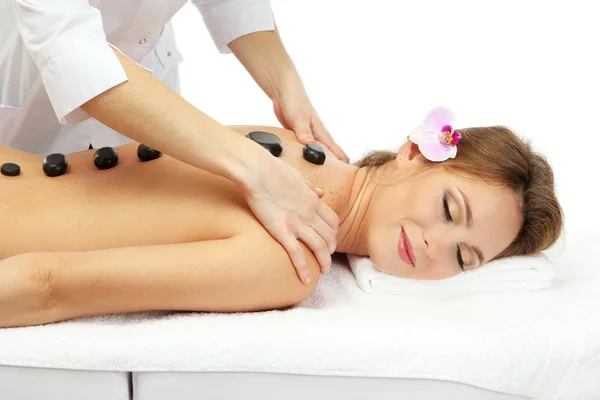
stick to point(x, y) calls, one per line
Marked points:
point(459, 258)
point(447, 209)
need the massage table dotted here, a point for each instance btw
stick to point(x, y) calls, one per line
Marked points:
point(341, 343)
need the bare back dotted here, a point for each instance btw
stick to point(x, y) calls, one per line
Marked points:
point(133, 204)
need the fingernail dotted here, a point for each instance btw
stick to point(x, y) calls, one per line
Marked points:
point(306, 278)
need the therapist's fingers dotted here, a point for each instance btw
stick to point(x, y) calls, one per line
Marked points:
point(319, 247)
point(322, 135)
point(330, 217)
point(301, 125)
point(323, 229)
point(318, 191)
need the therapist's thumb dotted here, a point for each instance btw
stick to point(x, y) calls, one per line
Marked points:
point(301, 127)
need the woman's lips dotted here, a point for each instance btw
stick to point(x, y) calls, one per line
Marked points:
point(405, 249)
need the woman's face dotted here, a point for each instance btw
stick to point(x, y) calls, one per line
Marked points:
point(428, 225)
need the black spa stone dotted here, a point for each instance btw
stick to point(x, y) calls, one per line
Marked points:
point(106, 157)
point(10, 169)
point(267, 140)
point(146, 153)
point(55, 164)
point(314, 153)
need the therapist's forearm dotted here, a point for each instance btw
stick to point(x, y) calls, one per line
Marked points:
point(147, 111)
point(267, 61)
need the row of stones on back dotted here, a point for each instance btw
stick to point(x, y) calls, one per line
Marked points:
point(312, 153)
point(107, 157)
point(104, 158)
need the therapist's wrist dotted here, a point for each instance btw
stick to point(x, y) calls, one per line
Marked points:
point(245, 165)
point(287, 81)
point(264, 56)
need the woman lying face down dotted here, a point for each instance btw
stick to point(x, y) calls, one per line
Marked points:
point(161, 235)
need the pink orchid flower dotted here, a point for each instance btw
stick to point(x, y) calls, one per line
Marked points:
point(435, 137)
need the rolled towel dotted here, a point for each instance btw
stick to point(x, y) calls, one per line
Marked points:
point(519, 273)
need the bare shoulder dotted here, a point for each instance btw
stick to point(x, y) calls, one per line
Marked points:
point(273, 265)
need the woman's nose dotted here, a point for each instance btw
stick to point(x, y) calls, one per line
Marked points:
point(438, 240)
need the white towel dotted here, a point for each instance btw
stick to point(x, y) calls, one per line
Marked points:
point(542, 345)
point(509, 274)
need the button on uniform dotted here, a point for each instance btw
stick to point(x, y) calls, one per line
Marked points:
point(146, 41)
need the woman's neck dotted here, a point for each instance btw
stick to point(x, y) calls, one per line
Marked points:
point(351, 204)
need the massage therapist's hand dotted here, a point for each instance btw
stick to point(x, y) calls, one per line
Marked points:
point(265, 58)
point(295, 112)
point(289, 208)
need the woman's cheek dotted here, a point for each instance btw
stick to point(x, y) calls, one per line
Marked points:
point(382, 257)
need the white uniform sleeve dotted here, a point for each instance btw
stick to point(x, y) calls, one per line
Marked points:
point(227, 20)
point(68, 44)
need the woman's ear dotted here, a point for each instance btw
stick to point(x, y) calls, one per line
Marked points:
point(409, 153)
point(414, 151)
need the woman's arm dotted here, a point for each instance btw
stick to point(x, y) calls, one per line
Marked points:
point(249, 272)
point(24, 291)
point(149, 112)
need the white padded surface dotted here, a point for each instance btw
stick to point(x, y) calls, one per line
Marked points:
point(19, 383)
point(247, 386)
point(542, 345)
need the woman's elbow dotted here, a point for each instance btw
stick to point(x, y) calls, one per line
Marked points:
point(292, 291)
point(26, 291)
point(303, 291)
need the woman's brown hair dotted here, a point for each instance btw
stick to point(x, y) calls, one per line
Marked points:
point(496, 154)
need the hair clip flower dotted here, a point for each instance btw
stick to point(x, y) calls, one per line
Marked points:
point(435, 137)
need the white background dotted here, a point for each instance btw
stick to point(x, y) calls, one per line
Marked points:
point(374, 68)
